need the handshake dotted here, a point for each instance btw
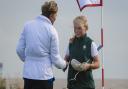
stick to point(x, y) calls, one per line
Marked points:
point(80, 66)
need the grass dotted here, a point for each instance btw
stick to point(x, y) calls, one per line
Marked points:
point(2, 83)
point(10, 84)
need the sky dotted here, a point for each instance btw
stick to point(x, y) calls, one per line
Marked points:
point(14, 13)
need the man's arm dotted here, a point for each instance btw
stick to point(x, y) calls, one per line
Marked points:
point(21, 46)
point(54, 51)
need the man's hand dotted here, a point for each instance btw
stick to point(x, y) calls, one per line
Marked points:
point(67, 63)
point(66, 58)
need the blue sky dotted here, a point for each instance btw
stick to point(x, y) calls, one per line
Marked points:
point(14, 13)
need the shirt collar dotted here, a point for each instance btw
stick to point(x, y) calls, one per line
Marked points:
point(44, 18)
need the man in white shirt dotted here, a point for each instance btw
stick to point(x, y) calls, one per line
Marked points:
point(38, 48)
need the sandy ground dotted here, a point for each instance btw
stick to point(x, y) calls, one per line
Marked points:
point(109, 84)
point(61, 83)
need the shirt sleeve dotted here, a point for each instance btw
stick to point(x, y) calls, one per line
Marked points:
point(55, 55)
point(67, 51)
point(94, 51)
point(21, 46)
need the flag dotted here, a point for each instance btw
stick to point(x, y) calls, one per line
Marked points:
point(88, 3)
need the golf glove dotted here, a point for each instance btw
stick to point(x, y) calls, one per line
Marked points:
point(79, 66)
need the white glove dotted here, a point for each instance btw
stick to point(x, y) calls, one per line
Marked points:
point(79, 66)
point(76, 65)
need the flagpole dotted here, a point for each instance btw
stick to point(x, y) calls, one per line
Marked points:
point(82, 5)
point(102, 43)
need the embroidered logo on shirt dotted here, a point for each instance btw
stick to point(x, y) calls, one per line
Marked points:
point(84, 47)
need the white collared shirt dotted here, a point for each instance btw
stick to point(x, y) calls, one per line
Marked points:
point(38, 48)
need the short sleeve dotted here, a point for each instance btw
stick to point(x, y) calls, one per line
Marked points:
point(94, 51)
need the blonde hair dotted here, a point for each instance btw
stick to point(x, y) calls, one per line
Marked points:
point(49, 8)
point(81, 20)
